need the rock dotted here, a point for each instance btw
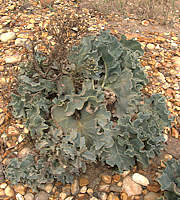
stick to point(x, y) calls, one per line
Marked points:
point(112, 196)
point(9, 191)
point(93, 198)
point(24, 152)
point(124, 196)
point(106, 179)
point(102, 195)
point(12, 131)
point(82, 197)
point(19, 189)
point(62, 196)
point(125, 173)
point(151, 196)
point(20, 41)
point(2, 193)
point(115, 188)
point(75, 187)
point(69, 198)
point(42, 196)
point(104, 188)
point(29, 196)
point(154, 188)
point(83, 181)
point(83, 189)
point(140, 179)
point(5, 37)
point(151, 46)
point(119, 183)
point(145, 23)
point(48, 187)
point(19, 197)
point(13, 59)
point(1, 68)
point(90, 191)
point(67, 189)
point(131, 187)
point(165, 137)
point(3, 185)
point(116, 178)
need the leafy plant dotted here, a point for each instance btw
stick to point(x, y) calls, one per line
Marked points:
point(94, 111)
point(170, 180)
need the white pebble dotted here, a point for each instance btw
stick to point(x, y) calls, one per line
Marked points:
point(140, 179)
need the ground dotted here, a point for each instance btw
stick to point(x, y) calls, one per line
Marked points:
point(158, 35)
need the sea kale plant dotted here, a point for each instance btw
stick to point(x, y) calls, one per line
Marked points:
point(91, 110)
point(170, 180)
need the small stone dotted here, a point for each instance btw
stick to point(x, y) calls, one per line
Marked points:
point(151, 196)
point(124, 196)
point(106, 179)
point(42, 196)
point(83, 181)
point(13, 59)
point(19, 197)
point(67, 189)
point(175, 133)
point(151, 46)
point(140, 179)
point(116, 178)
point(165, 137)
point(24, 152)
point(20, 41)
point(102, 195)
point(2, 118)
point(112, 196)
point(19, 189)
point(48, 187)
point(131, 187)
point(12, 131)
point(104, 188)
point(167, 157)
point(3, 185)
point(115, 188)
point(75, 187)
point(5, 37)
point(1, 68)
point(145, 23)
point(2, 193)
point(93, 198)
point(9, 191)
point(62, 196)
point(154, 188)
point(82, 196)
point(83, 189)
point(29, 196)
point(90, 191)
point(119, 183)
point(69, 198)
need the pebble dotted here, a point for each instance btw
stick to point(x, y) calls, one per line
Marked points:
point(131, 187)
point(48, 187)
point(153, 188)
point(102, 195)
point(42, 196)
point(5, 37)
point(83, 181)
point(116, 178)
point(165, 137)
point(151, 196)
point(13, 59)
point(3, 185)
point(140, 179)
point(104, 188)
point(2, 193)
point(9, 191)
point(19, 189)
point(125, 173)
point(69, 198)
point(19, 197)
point(115, 188)
point(151, 46)
point(106, 179)
point(75, 187)
point(83, 189)
point(29, 196)
point(90, 191)
point(62, 195)
point(20, 41)
point(67, 189)
point(1, 68)
point(112, 196)
point(93, 198)
point(119, 183)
